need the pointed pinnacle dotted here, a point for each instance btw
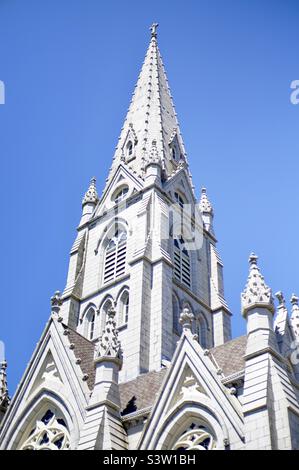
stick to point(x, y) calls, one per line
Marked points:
point(91, 195)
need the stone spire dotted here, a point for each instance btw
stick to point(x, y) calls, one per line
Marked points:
point(109, 345)
point(4, 397)
point(150, 117)
point(295, 315)
point(256, 292)
point(89, 202)
point(91, 195)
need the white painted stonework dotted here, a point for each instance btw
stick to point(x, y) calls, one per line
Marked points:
point(137, 353)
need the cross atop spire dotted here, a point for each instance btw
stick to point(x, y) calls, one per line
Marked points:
point(153, 29)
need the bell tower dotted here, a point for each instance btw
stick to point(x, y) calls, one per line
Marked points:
point(146, 248)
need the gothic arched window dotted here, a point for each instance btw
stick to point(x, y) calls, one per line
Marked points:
point(115, 256)
point(179, 199)
point(124, 308)
point(129, 148)
point(195, 437)
point(201, 331)
point(90, 323)
point(182, 263)
point(48, 433)
point(120, 194)
point(176, 315)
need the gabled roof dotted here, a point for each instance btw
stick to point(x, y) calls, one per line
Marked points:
point(140, 393)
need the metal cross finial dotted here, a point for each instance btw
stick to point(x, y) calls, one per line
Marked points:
point(153, 29)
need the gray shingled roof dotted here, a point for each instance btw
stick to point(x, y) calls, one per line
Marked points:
point(141, 392)
point(84, 350)
point(230, 356)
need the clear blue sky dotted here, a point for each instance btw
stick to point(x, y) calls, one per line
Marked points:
point(70, 66)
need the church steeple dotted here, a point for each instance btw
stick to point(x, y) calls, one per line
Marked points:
point(151, 117)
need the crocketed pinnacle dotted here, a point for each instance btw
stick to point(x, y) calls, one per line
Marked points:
point(204, 204)
point(256, 292)
point(109, 344)
point(91, 195)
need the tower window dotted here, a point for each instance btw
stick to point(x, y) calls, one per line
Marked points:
point(129, 148)
point(182, 265)
point(90, 324)
point(173, 153)
point(176, 315)
point(179, 199)
point(91, 327)
point(115, 256)
point(121, 194)
point(124, 308)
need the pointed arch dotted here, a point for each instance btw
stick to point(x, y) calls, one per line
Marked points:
point(89, 320)
point(176, 310)
point(106, 304)
point(36, 409)
point(173, 433)
point(124, 308)
point(201, 329)
point(112, 248)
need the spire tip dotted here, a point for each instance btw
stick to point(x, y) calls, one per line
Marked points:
point(153, 29)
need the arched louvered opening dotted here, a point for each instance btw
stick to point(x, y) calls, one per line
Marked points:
point(182, 262)
point(115, 256)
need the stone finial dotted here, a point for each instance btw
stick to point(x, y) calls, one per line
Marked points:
point(153, 29)
point(256, 292)
point(109, 345)
point(295, 315)
point(56, 302)
point(56, 299)
point(154, 157)
point(186, 319)
point(280, 297)
point(205, 206)
point(4, 397)
point(91, 195)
